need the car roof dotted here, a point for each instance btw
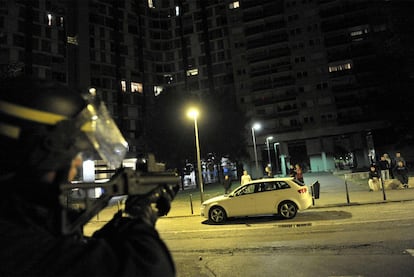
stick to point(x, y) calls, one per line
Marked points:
point(270, 180)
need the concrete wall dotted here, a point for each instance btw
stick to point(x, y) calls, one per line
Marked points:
point(320, 164)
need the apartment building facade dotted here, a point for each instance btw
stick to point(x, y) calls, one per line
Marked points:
point(306, 71)
point(302, 68)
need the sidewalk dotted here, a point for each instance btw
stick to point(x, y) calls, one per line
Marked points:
point(333, 193)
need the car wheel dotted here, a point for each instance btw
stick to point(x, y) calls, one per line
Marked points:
point(287, 209)
point(217, 214)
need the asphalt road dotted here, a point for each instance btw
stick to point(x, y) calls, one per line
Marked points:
point(374, 239)
point(366, 240)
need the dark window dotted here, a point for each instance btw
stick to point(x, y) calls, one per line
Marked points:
point(18, 40)
point(62, 49)
point(3, 38)
point(46, 46)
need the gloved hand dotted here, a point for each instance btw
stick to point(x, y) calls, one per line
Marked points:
point(148, 207)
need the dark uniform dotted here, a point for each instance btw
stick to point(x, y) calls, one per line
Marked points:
point(31, 245)
point(41, 131)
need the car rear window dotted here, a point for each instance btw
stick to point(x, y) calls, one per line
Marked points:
point(298, 182)
point(274, 185)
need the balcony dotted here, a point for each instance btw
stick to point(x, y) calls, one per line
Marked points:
point(275, 99)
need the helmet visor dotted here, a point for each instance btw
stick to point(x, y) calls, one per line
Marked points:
point(103, 133)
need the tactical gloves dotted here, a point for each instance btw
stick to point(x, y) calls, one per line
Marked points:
point(150, 206)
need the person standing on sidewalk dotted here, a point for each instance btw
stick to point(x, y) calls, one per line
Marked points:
point(292, 172)
point(268, 172)
point(299, 173)
point(245, 178)
point(227, 184)
point(390, 163)
point(374, 180)
point(401, 173)
point(385, 168)
point(398, 158)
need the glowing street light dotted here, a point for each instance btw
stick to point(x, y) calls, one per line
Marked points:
point(256, 126)
point(193, 113)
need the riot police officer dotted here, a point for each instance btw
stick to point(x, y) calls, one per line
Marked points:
point(43, 127)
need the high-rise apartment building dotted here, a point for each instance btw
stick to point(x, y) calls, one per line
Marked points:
point(305, 69)
point(86, 44)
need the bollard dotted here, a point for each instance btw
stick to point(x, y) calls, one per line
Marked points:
point(347, 192)
point(315, 190)
point(383, 189)
point(191, 203)
point(313, 195)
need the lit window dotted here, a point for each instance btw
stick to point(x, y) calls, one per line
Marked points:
point(356, 33)
point(49, 19)
point(158, 90)
point(72, 40)
point(177, 10)
point(151, 4)
point(168, 78)
point(359, 32)
point(136, 87)
point(340, 67)
point(192, 72)
point(61, 21)
point(123, 86)
point(234, 5)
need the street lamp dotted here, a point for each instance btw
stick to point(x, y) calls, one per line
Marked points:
point(276, 156)
point(193, 113)
point(268, 150)
point(256, 126)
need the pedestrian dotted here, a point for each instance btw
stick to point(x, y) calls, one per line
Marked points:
point(385, 168)
point(299, 173)
point(374, 180)
point(292, 172)
point(268, 172)
point(388, 159)
point(227, 184)
point(398, 158)
point(245, 178)
point(43, 127)
point(401, 173)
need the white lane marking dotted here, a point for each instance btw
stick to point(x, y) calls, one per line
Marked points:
point(346, 276)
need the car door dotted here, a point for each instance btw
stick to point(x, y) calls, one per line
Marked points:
point(272, 194)
point(242, 201)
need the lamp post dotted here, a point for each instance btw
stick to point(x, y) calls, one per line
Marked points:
point(276, 156)
point(268, 150)
point(193, 113)
point(255, 126)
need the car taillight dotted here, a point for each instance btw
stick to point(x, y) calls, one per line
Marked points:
point(302, 190)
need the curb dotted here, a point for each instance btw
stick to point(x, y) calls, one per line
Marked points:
point(359, 203)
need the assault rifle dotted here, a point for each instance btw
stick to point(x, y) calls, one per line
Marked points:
point(148, 177)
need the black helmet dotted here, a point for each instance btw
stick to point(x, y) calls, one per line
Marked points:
point(44, 125)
